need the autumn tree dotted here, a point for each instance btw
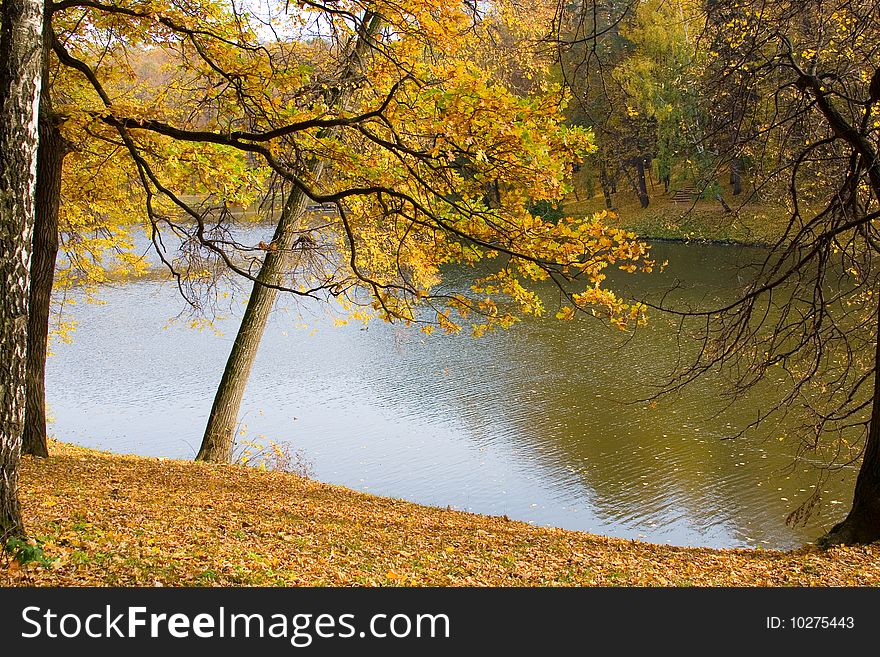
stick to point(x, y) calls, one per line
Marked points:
point(410, 169)
point(389, 117)
point(20, 68)
point(601, 49)
point(217, 442)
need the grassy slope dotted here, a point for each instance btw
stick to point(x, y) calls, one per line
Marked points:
point(125, 520)
point(752, 223)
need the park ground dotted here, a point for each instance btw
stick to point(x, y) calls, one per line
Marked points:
point(103, 519)
point(749, 221)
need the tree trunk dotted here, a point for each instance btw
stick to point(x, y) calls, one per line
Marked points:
point(220, 433)
point(50, 158)
point(606, 186)
point(636, 186)
point(644, 199)
point(219, 437)
point(735, 178)
point(20, 73)
point(862, 524)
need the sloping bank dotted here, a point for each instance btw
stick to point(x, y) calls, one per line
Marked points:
point(103, 519)
point(700, 221)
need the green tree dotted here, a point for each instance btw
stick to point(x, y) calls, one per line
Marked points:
point(662, 80)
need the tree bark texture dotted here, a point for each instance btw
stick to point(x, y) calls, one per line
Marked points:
point(50, 158)
point(20, 73)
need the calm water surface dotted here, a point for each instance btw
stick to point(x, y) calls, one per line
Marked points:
point(537, 423)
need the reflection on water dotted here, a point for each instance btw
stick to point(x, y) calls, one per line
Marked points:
point(537, 423)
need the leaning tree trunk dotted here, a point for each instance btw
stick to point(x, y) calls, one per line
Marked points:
point(220, 432)
point(862, 524)
point(219, 437)
point(50, 157)
point(20, 73)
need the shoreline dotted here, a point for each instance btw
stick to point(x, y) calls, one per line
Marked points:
point(702, 222)
point(705, 241)
point(120, 520)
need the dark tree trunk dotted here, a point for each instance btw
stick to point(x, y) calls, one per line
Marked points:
point(862, 524)
point(606, 186)
point(644, 199)
point(50, 158)
point(735, 178)
point(493, 194)
point(21, 24)
point(638, 184)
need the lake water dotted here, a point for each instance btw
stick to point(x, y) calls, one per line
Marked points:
point(537, 422)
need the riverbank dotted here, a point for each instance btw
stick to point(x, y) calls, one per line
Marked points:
point(103, 519)
point(752, 224)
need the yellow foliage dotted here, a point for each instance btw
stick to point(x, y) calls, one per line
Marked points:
point(468, 106)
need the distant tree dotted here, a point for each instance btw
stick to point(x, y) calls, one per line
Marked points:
point(662, 80)
point(592, 48)
point(20, 69)
point(633, 68)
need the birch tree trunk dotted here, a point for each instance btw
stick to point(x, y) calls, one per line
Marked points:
point(21, 23)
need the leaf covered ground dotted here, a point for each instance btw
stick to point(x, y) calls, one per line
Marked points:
point(102, 519)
